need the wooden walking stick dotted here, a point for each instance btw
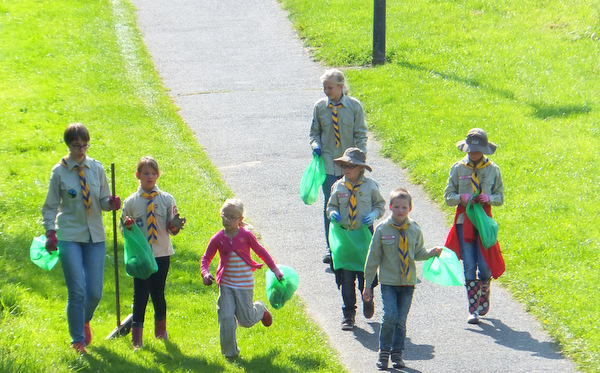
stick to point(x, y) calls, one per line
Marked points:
point(125, 327)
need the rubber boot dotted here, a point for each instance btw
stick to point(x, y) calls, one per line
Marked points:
point(137, 333)
point(484, 299)
point(397, 359)
point(87, 334)
point(160, 328)
point(383, 359)
point(473, 290)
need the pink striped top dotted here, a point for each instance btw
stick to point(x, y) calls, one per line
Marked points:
point(238, 274)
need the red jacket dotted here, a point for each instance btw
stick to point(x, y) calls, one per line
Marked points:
point(493, 255)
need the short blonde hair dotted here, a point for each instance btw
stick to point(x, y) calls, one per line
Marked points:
point(401, 193)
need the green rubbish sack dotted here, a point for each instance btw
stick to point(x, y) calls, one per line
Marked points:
point(39, 256)
point(139, 258)
point(444, 270)
point(312, 179)
point(349, 248)
point(485, 225)
point(279, 292)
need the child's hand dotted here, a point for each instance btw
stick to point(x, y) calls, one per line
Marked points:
point(335, 216)
point(278, 274)
point(482, 198)
point(128, 223)
point(208, 279)
point(464, 198)
point(317, 150)
point(367, 294)
point(437, 250)
point(114, 203)
point(370, 218)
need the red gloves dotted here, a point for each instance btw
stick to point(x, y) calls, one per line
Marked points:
point(464, 198)
point(128, 223)
point(51, 241)
point(114, 203)
point(482, 198)
point(208, 279)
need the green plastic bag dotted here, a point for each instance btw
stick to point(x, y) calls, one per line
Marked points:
point(349, 248)
point(312, 179)
point(139, 258)
point(444, 270)
point(39, 256)
point(485, 225)
point(280, 292)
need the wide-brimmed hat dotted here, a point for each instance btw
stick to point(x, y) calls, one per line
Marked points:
point(477, 141)
point(353, 156)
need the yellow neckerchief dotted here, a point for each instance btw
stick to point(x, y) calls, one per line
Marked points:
point(352, 206)
point(483, 163)
point(403, 249)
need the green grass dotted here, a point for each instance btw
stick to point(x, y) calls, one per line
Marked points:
point(528, 73)
point(65, 61)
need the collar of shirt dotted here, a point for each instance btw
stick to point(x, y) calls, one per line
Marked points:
point(155, 189)
point(343, 101)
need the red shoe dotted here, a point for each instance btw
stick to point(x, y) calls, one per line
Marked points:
point(267, 319)
point(87, 334)
point(79, 347)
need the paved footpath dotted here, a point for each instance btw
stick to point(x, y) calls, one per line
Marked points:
point(246, 87)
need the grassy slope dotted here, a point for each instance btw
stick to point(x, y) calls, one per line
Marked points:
point(528, 73)
point(66, 61)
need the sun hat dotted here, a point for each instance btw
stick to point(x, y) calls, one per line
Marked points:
point(353, 156)
point(477, 141)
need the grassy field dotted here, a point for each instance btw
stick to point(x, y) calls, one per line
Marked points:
point(69, 60)
point(527, 72)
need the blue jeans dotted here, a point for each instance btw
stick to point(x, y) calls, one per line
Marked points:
point(327, 184)
point(396, 304)
point(472, 257)
point(83, 268)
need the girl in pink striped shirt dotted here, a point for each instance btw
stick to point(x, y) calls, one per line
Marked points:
point(234, 276)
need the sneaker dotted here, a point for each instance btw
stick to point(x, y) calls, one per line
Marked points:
point(267, 319)
point(473, 319)
point(79, 347)
point(397, 359)
point(87, 334)
point(327, 258)
point(348, 324)
point(368, 309)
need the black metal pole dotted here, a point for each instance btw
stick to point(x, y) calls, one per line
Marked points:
point(379, 32)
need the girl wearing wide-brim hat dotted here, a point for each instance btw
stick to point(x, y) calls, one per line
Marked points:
point(475, 174)
point(355, 200)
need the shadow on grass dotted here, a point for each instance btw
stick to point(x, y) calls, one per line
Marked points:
point(540, 111)
point(264, 363)
point(517, 340)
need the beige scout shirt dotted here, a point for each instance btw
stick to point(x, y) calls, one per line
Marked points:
point(353, 130)
point(459, 182)
point(368, 199)
point(135, 206)
point(383, 253)
point(64, 211)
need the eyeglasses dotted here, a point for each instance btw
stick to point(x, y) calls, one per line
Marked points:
point(229, 217)
point(349, 166)
point(80, 147)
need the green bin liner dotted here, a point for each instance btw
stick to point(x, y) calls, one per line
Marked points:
point(279, 292)
point(349, 248)
point(444, 270)
point(39, 256)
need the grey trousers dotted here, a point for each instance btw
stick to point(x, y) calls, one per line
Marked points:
point(235, 306)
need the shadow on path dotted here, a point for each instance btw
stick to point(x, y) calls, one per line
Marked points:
point(517, 340)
